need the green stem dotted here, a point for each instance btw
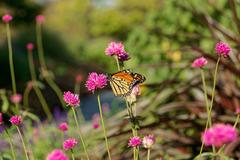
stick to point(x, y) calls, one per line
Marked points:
point(73, 158)
point(25, 97)
point(118, 65)
point(80, 133)
point(11, 144)
point(23, 143)
point(236, 121)
point(40, 46)
point(103, 126)
point(77, 91)
point(148, 154)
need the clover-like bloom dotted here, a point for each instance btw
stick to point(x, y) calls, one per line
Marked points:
point(219, 134)
point(222, 49)
point(69, 143)
point(7, 18)
point(16, 120)
point(16, 98)
point(63, 126)
point(96, 81)
point(1, 119)
point(57, 154)
point(30, 46)
point(71, 99)
point(148, 141)
point(40, 19)
point(134, 141)
point(117, 49)
point(199, 62)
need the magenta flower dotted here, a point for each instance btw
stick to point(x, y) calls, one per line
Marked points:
point(117, 49)
point(1, 119)
point(199, 62)
point(57, 154)
point(69, 143)
point(95, 121)
point(16, 98)
point(219, 134)
point(30, 46)
point(96, 81)
point(16, 120)
point(71, 99)
point(7, 18)
point(222, 49)
point(63, 126)
point(134, 141)
point(40, 19)
point(148, 141)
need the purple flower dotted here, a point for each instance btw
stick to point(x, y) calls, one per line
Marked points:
point(134, 141)
point(199, 62)
point(117, 49)
point(69, 143)
point(71, 99)
point(16, 120)
point(223, 49)
point(148, 141)
point(63, 126)
point(57, 154)
point(96, 81)
point(219, 134)
point(7, 18)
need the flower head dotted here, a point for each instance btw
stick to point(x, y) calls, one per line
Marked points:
point(79, 78)
point(148, 141)
point(219, 134)
point(16, 120)
point(117, 49)
point(199, 62)
point(7, 18)
point(96, 81)
point(1, 119)
point(63, 126)
point(238, 110)
point(57, 154)
point(30, 46)
point(16, 98)
point(134, 141)
point(223, 49)
point(40, 19)
point(95, 121)
point(69, 143)
point(71, 99)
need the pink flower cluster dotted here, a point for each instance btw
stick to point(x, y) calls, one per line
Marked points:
point(95, 121)
point(219, 134)
point(148, 141)
point(71, 99)
point(117, 49)
point(40, 19)
point(16, 98)
point(63, 126)
point(134, 141)
point(7, 18)
point(16, 120)
point(69, 143)
point(199, 62)
point(222, 49)
point(96, 81)
point(30, 46)
point(1, 119)
point(57, 154)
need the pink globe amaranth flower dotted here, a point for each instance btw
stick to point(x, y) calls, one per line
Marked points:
point(7, 18)
point(40, 19)
point(148, 141)
point(79, 78)
point(96, 81)
point(16, 98)
point(95, 125)
point(1, 119)
point(117, 49)
point(199, 62)
point(69, 143)
point(222, 49)
point(219, 134)
point(57, 154)
point(16, 120)
point(95, 121)
point(30, 46)
point(71, 99)
point(63, 126)
point(134, 141)
point(238, 110)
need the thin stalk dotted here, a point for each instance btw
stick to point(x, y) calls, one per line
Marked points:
point(11, 144)
point(25, 97)
point(35, 87)
point(77, 91)
point(236, 121)
point(40, 46)
point(148, 154)
point(103, 127)
point(72, 154)
point(23, 143)
point(80, 133)
point(118, 65)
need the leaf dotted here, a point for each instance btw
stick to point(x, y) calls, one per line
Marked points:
point(5, 104)
point(32, 116)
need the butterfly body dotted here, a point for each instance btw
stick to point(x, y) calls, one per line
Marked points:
point(122, 82)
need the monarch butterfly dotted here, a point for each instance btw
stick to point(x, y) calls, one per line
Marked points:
point(122, 82)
